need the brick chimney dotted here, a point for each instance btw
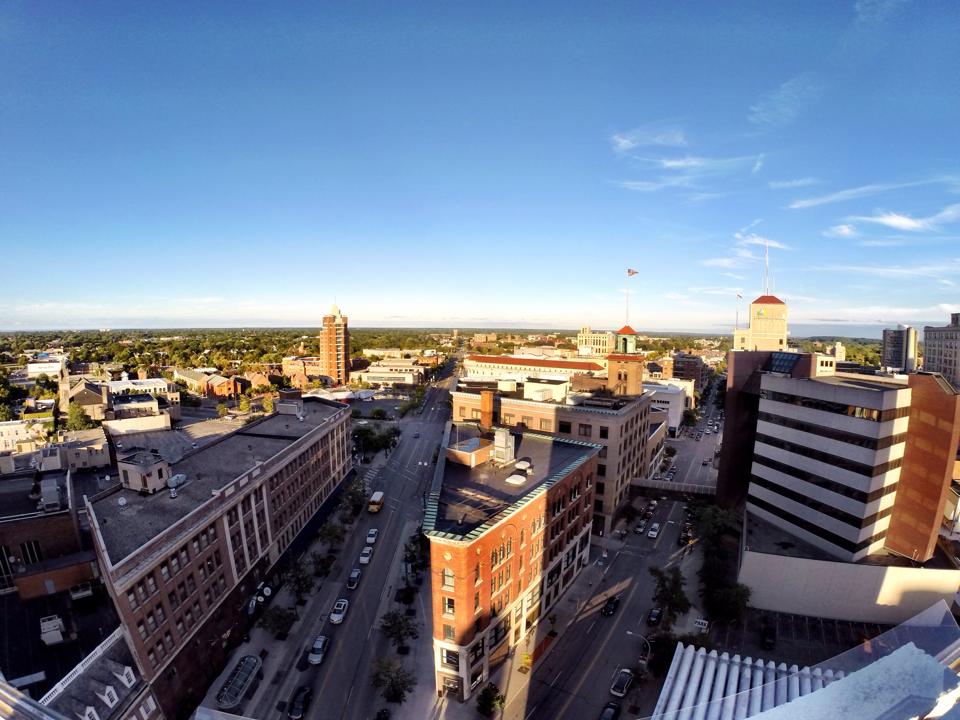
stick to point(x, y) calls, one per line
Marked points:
point(486, 409)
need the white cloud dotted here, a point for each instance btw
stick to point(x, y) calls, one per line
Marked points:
point(654, 185)
point(684, 162)
point(648, 135)
point(732, 275)
point(754, 239)
point(872, 12)
point(795, 183)
point(946, 283)
point(704, 197)
point(897, 221)
point(862, 191)
point(713, 290)
point(841, 231)
point(948, 266)
point(783, 105)
point(676, 296)
point(889, 242)
point(758, 164)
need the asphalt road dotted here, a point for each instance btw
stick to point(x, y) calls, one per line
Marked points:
point(341, 685)
point(574, 681)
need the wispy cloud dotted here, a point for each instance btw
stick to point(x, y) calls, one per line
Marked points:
point(655, 185)
point(872, 12)
point(754, 239)
point(949, 266)
point(688, 172)
point(897, 221)
point(841, 231)
point(682, 163)
point(713, 290)
point(655, 135)
point(783, 105)
point(695, 198)
point(732, 275)
point(862, 191)
point(676, 296)
point(741, 257)
point(883, 242)
point(795, 183)
point(758, 164)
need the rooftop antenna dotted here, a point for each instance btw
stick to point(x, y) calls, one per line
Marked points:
point(766, 266)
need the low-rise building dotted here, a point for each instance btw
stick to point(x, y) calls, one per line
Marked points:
point(508, 521)
point(51, 365)
point(671, 397)
point(22, 436)
point(619, 425)
point(182, 545)
point(595, 343)
point(506, 367)
point(691, 367)
point(196, 381)
point(81, 449)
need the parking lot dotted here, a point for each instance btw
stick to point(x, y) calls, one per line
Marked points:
point(799, 639)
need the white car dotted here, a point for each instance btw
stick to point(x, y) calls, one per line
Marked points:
point(372, 536)
point(654, 530)
point(339, 611)
point(318, 650)
point(365, 555)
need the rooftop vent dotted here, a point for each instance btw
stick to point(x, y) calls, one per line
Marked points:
point(524, 466)
point(516, 479)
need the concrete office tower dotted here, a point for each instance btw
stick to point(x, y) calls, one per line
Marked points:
point(899, 351)
point(767, 326)
point(335, 347)
point(941, 350)
point(508, 520)
point(852, 465)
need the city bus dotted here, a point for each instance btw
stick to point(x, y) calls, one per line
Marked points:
point(375, 503)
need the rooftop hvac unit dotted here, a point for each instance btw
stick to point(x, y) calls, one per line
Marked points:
point(52, 629)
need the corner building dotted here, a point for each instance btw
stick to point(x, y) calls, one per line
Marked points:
point(508, 521)
point(183, 566)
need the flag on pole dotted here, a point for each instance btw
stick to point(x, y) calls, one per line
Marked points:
point(739, 296)
point(631, 272)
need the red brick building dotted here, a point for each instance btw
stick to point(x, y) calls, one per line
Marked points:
point(335, 347)
point(508, 520)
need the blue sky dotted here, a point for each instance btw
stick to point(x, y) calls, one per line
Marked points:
point(477, 164)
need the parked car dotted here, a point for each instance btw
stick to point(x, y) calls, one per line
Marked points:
point(622, 683)
point(654, 530)
point(706, 461)
point(372, 534)
point(641, 527)
point(611, 711)
point(339, 611)
point(610, 606)
point(300, 702)
point(318, 650)
point(654, 617)
point(416, 436)
point(365, 555)
point(354, 579)
point(683, 539)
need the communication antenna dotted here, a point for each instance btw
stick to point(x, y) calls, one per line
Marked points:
point(766, 266)
point(122, 502)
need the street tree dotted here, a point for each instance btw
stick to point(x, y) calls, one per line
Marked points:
point(221, 410)
point(669, 594)
point(277, 620)
point(398, 628)
point(490, 700)
point(331, 533)
point(244, 404)
point(299, 579)
point(77, 419)
point(392, 679)
point(268, 404)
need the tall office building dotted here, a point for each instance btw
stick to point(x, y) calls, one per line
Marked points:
point(899, 351)
point(941, 350)
point(853, 465)
point(335, 347)
point(767, 328)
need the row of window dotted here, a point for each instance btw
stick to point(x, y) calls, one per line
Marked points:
point(813, 528)
point(830, 459)
point(833, 434)
point(837, 408)
point(821, 482)
point(846, 518)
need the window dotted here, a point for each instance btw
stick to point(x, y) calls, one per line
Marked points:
point(142, 630)
point(604, 432)
point(601, 470)
point(164, 571)
point(148, 708)
point(449, 633)
point(476, 602)
point(449, 606)
point(585, 430)
point(564, 426)
point(447, 581)
point(600, 488)
point(132, 599)
point(546, 425)
point(476, 573)
point(450, 658)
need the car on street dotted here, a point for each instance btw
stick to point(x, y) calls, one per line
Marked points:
point(706, 461)
point(339, 611)
point(622, 683)
point(354, 579)
point(641, 527)
point(300, 702)
point(372, 534)
point(611, 711)
point(416, 436)
point(610, 606)
point(654, 530)
point(654, 617)
point(365, 555)
point(318, 650)
point(707, 431)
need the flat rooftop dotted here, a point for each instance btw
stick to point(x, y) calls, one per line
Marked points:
point(582, 399)
point(131, 398)
point(15, 492)
point(860, 382)
point(469, 497)
point(174, 444)
point(143, 517)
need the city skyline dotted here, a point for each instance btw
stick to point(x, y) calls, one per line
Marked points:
point(189, 170)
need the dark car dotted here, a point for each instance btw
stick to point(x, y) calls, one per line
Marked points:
point(768, 638)
point(610, 606)
point(653, 617)
point(300, 703)
point(611, 711)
